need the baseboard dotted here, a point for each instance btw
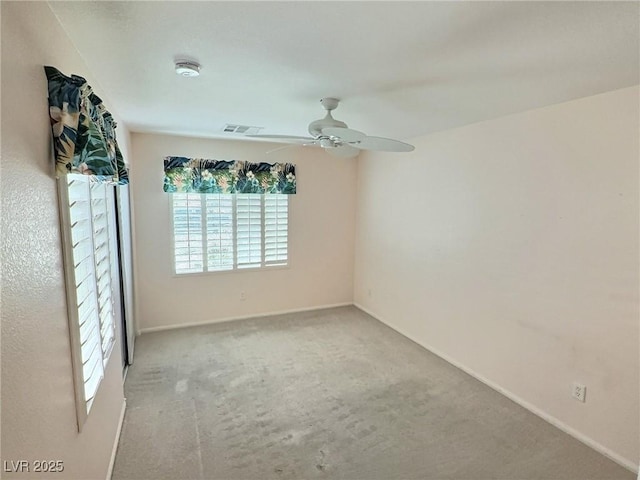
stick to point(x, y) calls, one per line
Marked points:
point(241, 317)
point(629, 465)
point(112, 462)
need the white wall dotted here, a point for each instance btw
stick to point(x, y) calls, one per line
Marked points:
point(38, 409)
point(511, 247)
point(321, 236)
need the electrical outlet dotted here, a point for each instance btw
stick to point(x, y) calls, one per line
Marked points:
point(579, 392)
point(243, 296)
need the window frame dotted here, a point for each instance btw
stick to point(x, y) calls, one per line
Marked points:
point(263, 265)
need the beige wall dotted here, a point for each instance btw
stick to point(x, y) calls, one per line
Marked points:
point(511, 247)
point(321, 233)
point(38, 409)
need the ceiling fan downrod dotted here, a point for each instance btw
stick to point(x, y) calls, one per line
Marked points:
point(315, 128)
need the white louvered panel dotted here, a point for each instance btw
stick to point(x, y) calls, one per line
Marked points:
point(93, 373)
point(91, 345)
point(248, 231)
point(77, 187)
point(219, 232)
point(87, 302)
point(103, 282)
point(276, 241)
point(80, 223)
point(86, 294)
point(90, 340)
point(187, 232)
point(102, 256)
point(89, 326)
point(84, 272)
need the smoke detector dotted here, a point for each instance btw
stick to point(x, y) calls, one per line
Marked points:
point(187, 69)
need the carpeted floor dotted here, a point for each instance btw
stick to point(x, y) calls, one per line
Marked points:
point(329, 394)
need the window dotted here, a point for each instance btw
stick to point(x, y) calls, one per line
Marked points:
point(217, 232)
point(88, 235)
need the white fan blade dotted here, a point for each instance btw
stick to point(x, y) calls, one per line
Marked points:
point(284, 138)
point(294, 145)
point(269, 152)
point(344, 134)
point(383, 145)
point(343, 151)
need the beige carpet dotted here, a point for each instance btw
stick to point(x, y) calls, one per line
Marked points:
point(330, 394)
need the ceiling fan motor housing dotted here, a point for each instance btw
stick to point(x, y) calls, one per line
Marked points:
point(315, 128)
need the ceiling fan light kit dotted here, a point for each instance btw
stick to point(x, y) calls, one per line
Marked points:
point(339, 140)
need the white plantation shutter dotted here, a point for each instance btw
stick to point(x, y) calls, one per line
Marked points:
point(188, 232)
point(102, 253)
point(87, 237)
point(276, 237)
point(217, 232)
point(86, 298)
point(248, 230)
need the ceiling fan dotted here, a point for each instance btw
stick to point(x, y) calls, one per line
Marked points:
point(338, 140)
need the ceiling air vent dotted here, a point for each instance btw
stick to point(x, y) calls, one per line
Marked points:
point(241, 129)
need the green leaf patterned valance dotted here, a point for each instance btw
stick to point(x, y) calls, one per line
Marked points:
point(198, 175)
point(83, 131)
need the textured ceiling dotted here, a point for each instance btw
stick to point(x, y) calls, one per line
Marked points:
point(401, 69)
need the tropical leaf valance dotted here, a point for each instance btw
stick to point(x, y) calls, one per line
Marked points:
point(83, 130)
point(199, 175)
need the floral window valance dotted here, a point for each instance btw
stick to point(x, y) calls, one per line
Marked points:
point(83, 131)
point(198, 175)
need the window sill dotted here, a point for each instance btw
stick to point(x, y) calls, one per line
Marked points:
point(227, 272)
